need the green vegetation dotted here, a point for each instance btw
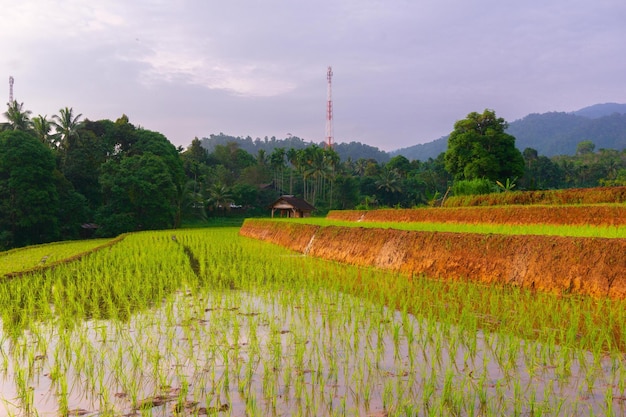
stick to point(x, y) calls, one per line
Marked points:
point(479, 148)
point(61, 173)
point(42, 256)
point(203, 321)
point(503, 229)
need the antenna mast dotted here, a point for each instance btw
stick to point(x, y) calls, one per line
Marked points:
point(11, 81)
point(329, 109)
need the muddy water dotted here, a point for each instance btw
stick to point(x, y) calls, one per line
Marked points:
point(282, 353)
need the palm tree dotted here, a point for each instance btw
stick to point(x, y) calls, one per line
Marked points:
point(189, 203)
point(389, 182)
point(315, 168)
point(360, 166)
point(292, 157)
point(42, 127)
point(277, 162)
point(220, 197)
point(18, 119)
point(66, 125)
point(261, 157)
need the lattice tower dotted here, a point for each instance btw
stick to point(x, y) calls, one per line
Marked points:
point(11, 81)
point(329, 109)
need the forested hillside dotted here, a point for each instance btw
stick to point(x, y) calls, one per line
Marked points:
point(552, 134)
point(559, 133)
point(68, 177)
point(352, 150)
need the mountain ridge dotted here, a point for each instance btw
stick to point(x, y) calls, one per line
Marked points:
point(551, 133)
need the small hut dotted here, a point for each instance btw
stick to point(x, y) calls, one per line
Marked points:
point(290, 206)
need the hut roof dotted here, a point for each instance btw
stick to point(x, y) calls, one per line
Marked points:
point(295, 202)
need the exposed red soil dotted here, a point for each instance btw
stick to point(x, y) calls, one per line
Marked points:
point(613, 215)
point(589, 266)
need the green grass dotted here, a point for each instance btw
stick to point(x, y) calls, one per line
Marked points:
point(611, 232)
point(20, 259)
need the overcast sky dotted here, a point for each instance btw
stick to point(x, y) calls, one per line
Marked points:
point(404, 71)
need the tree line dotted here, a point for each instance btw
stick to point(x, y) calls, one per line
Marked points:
point(67, 177)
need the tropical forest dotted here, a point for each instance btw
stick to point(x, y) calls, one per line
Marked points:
point(68, 177)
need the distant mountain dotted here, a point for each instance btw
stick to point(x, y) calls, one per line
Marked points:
point(601, 110)
point(559, 133)
point(423, 151)
point(553, 133)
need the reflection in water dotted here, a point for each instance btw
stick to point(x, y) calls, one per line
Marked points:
point(232, 352)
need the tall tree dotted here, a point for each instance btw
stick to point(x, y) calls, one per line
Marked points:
point(18, 118)
point(139, 194)
point(389, 185)
point(42, 128)
point(29, 200)
point(277, 162)
point(66, 125)
point(478, 147)
point(219, 197)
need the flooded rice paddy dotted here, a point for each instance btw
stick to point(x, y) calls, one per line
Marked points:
point(206, 343)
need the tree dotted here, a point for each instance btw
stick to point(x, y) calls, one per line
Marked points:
point(400, 163)
point(292, 157)
point(277, 162)
point(585, 147)
point(389, 185)
point(42, 128)
point(540, 172)
point(479, 148)
point(316, 168)
point(347, 192)
point(139, 194)
point(189, 203)
point(18, 118)
point(81, 163)
point(220, 197)
point(29, 201)
point(66, 125)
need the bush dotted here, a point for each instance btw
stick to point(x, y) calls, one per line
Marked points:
point(473, 187)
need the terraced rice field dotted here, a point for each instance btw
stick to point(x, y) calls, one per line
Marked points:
point(210, 322)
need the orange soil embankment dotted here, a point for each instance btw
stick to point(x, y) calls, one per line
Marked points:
point(589, 266)
point(613, 215)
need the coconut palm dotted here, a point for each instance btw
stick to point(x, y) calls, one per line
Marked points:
point(389, 181)
point(292, 157)
point(277, 162)
point(66, 125)
point(42, 128)
point(220, 197)
point(316, 169)
point(189, 203)
point(18, 118)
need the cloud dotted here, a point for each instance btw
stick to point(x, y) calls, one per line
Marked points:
point(404, 71)
point(178, 64)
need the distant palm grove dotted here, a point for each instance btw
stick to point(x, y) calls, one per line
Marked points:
point(67, 177)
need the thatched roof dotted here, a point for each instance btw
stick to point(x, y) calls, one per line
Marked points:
point(295, 202)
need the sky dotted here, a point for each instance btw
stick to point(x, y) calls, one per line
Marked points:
point(403, 70)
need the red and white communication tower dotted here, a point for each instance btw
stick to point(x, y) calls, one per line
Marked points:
point(11, 80)
point(329, 109)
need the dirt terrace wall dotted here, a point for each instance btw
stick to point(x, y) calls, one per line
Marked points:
point(590, 266)
point(613, 215)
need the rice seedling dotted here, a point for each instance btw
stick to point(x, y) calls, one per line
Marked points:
point(604, 231)
point(257, 330)
point(32, 257)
